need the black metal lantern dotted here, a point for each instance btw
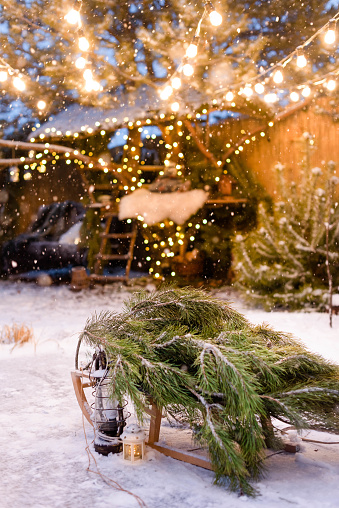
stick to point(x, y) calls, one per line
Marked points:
point(109, 417)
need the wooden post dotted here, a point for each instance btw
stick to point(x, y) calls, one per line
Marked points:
point(154, 428)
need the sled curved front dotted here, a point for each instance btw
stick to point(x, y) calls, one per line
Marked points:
point(80, 381)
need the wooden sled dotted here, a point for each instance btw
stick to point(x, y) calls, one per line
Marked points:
point(81, 381)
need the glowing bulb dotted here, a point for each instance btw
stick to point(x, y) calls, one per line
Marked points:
point(19, 84)
point(88, 75)
point(3, 76)
point(247, 91)
point(331, 85)
point(41, 105)
point(306, 92)
point(176, 83)
point(294, 96)
point(330, 35)
point(229, 96)
point(73, 17)
point(278, 77)
point(175, 106)
point(80, 63)
point(192, 51)
point(301, 59)
point(96, 87)
point(259, 88)
point(166, 92)
point(188, 70)
point(270, 98)
point(215, 18)
point(83, 44)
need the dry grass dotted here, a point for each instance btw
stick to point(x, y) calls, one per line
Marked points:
point(16, 334)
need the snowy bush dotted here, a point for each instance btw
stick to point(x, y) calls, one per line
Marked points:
point(283, 262)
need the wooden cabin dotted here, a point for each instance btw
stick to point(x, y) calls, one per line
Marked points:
point(135, 144)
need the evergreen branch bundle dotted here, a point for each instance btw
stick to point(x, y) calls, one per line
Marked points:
point(203, 362)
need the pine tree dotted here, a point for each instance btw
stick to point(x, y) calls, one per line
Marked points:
point(282, 263)
point(206, 365)
point(142, 43)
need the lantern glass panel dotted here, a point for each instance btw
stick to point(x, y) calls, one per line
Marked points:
point(127, 451)
point(137, 451)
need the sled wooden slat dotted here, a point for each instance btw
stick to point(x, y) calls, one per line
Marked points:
point(175, 453)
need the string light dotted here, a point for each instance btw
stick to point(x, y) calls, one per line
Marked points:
point(176, 83)
point(41, 105)
point(192, 49)
point(175, 106)
point(73, 17)
point(270, 98)
point(294, 96)
point(187, 70)
point(80, 63)
point(83, 44)
point(215, 17)
point(259, 88)
point(3, 76)
point(88, 76)
point(229, 96)
point(331, 85)
point(278, 76)
point(19, 84)
point(330, 35)
point(247, 91)
point(306, 92)
point(301, 59)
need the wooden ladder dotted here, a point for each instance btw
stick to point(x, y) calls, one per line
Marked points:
point(102, 257)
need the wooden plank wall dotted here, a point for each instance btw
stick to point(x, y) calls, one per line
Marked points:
point(282, 142)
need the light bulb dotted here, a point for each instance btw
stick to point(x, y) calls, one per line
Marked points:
point(83, 44)
point(80, 63)
point(215, 18)
point(270, 98)
point(192, 51)
point(88, 75)
point(3, 76)
point(19, 84)
point(188, 70)
point(166, 92)
point(176, 83)
point(278, 77)
point(330, 35)
point(73, 17)
point(331, 85)
point(301, 59)
point(88, 85)
point(96, 86)
point(247, 91)
point(259, 88)
point(294, 96)
point(41, 105)
point(306, 92)
point(175, 106)
point(229, 96)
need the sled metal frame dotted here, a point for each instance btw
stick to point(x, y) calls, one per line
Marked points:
point(81, 380)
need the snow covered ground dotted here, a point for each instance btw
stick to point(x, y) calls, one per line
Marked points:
point(43, 457)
